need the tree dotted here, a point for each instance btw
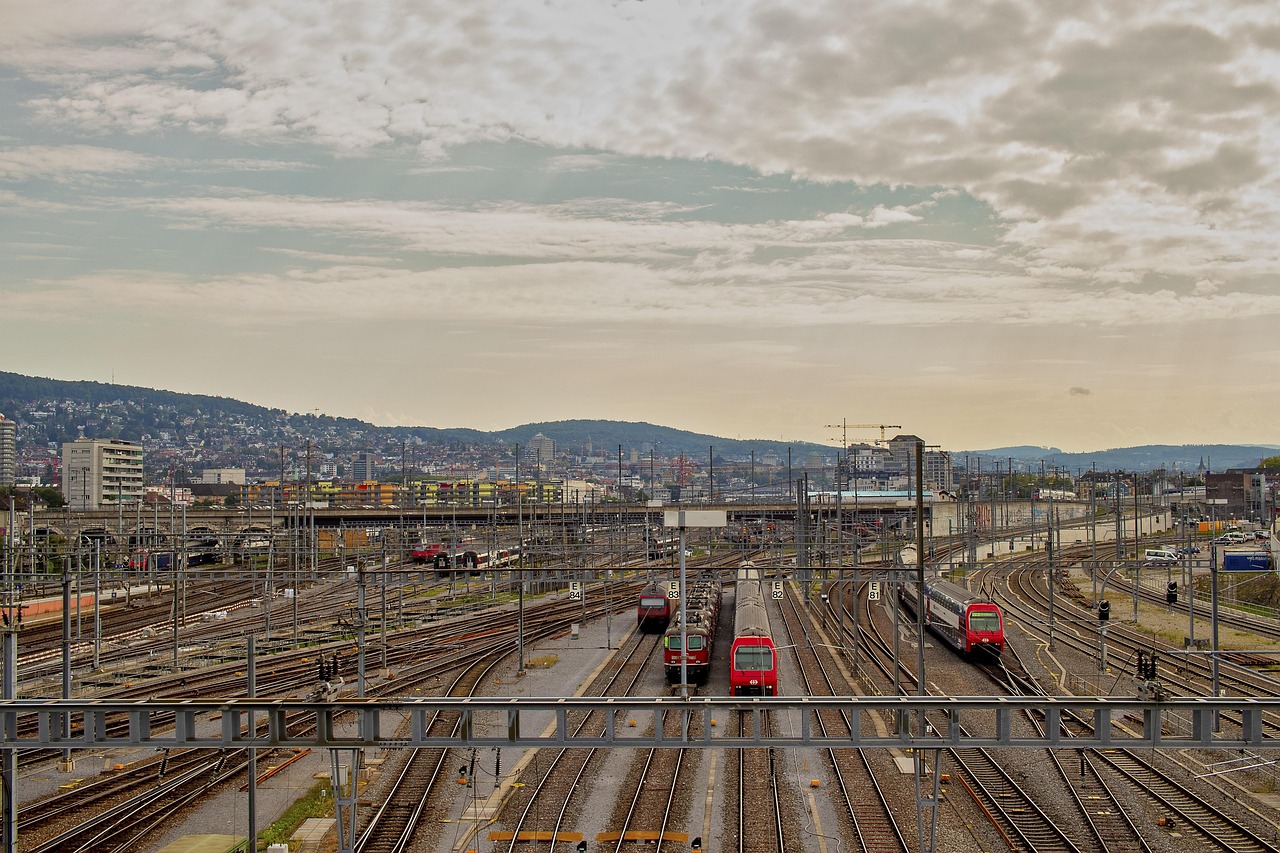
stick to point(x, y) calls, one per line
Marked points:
point(1271, 462)
point(52, 497)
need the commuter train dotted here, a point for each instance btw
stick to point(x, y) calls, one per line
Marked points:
point(653, 612)
point(964, 621)
point(662, 545)
point(445, 559)
point(702, 616)
point(1040, 494)
point(753, 659)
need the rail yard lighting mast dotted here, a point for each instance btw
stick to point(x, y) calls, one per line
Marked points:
point(683, 519)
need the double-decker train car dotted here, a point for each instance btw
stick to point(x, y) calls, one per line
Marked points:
point(662, 545)
point(753, 659)
point(653, 612)
point(447, 560)
point(702, 616)
point(963, 620)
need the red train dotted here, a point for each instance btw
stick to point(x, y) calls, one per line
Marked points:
point(653, 613)
point(702, 615)
point(753, 660)
point(964, 621)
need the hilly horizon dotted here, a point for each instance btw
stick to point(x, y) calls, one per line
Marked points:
point(157, 409)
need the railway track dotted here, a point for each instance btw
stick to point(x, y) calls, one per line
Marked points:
point(866, 803)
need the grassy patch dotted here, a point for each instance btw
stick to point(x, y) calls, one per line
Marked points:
point(543, 661)
point(317, 802)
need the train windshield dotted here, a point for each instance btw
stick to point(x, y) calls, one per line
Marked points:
point(695, 643)
point(673, 642)
point(755, 658)
point(653, 602)
point(984, 620)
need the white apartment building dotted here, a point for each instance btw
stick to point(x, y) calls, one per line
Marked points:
point(101, 472)
point(8, 452)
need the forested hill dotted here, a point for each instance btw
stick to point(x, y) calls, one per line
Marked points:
point(53, 411)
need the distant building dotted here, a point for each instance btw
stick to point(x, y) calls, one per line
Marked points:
point(101, 472)
point(364, 468)
point(1246, 493)
point(165, 494)
point(542, 449)
point(8, 452)
point(222, 476)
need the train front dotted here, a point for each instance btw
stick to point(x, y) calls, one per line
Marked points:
point(653, 613)
point(753, 666)
point(985, 628)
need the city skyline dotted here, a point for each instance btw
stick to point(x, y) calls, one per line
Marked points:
point(993, 224)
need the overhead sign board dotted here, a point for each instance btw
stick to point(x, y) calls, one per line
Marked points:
point(694, 518)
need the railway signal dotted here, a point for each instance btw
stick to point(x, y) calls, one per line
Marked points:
point(1171, 592)
point(1104, 610)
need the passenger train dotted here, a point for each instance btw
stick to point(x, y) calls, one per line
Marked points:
point(653, 612)
point(444, 559)
point(963, 620)
point(702, 617)
point(753, 659)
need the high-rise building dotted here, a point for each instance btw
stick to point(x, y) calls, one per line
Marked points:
point(542, 448)
point(8, 452)
point(101, 472)
point(364, 467)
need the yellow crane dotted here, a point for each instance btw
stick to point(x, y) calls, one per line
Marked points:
point(848, 426)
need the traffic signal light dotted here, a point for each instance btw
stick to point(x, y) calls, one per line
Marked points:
point(1171, 592)
point(1104, 610)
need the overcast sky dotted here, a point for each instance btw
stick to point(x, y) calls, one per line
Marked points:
point(990, 223)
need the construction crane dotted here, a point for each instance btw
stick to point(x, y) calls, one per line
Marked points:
point(848, 426)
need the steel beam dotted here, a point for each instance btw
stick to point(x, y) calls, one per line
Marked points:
point(1177, 723)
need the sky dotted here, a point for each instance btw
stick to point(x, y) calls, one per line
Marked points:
point(988, 223)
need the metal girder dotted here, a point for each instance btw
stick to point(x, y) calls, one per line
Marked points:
point(879, 721)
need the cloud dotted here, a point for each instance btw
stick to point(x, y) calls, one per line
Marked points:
point(65, 163)
point(1117, 114)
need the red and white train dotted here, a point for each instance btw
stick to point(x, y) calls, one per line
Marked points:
point(753, 659)
point(964, 621)
point(444, 558)
point(702, 616)
point(653, 612)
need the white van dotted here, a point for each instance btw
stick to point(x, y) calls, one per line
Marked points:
point(1159, 555)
